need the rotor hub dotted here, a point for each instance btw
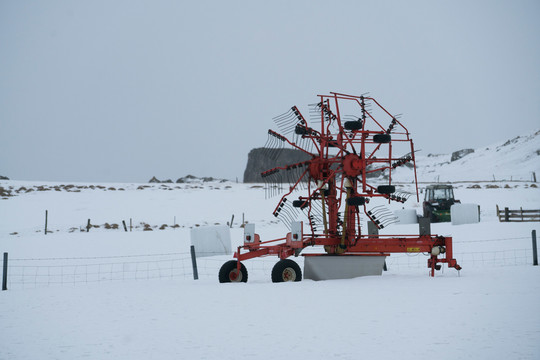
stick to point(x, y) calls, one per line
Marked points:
point(352, 165)
point(318, 169)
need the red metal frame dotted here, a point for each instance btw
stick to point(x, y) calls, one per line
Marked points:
point(339, 169)
point(375, 245)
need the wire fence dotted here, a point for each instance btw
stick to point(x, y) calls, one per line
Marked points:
point(46, 272)
point(55, 271)
point(62, 271)
point(514, 257)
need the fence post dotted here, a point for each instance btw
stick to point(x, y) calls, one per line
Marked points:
point(194, 263)
point(4, 274)
point(125, 227)
point(373, 232)
point(424, 224)
point(506, 214)
point(46, 216)
point(535, 253)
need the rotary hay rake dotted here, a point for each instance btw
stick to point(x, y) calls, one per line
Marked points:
point(347, 156)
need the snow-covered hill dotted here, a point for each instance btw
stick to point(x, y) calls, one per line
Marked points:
point(515, 159)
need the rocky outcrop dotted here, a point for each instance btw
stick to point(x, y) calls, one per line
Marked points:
point(456, 155)
point(155, 180)
point(194, 179)
point(3, 177)
point(259, 161)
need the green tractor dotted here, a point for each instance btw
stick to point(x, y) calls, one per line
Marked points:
point(437, 202)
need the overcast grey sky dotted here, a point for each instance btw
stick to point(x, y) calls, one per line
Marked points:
point(120, 91)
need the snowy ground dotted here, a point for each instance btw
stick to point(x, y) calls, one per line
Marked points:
point(110, 294)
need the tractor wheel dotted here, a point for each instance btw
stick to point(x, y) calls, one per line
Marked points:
point(382, 138)
point(230, 273)
point(386, 189)
point(286, 270)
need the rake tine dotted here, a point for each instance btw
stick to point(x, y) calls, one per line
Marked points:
point(285, 114)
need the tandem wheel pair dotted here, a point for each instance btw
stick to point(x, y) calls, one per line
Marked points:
point(284, 270)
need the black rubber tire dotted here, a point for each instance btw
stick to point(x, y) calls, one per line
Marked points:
point(227, 271)
point(300, 130)
point(382, 138)
point(286, 270)
point(356, 201)
point(353, 125)
point(386, 189)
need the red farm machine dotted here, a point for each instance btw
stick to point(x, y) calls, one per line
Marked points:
point(350, 160)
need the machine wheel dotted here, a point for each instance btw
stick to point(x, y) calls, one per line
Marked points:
point(229, 272)
point(286, 270)
point(300, 130)
point(386, 189)
point(353, 125)
point(356, 201)
point(382, 138)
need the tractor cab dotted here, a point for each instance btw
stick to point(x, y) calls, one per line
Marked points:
point(437, 202)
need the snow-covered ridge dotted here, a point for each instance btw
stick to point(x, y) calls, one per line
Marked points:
point(9, 188)
point(517, 159)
